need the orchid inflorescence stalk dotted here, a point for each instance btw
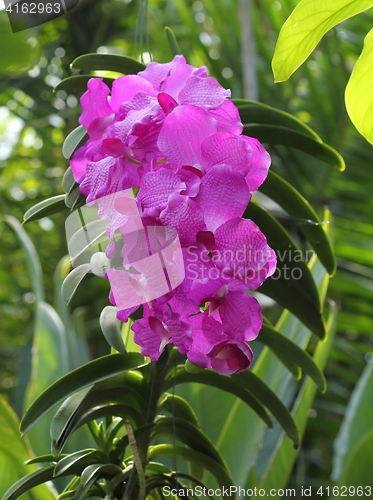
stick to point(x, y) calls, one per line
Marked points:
point(172, 136)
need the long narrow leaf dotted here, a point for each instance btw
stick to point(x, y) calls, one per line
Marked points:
point(276, 340)
point(90, 373)
point(300, 296)
point(309, 223)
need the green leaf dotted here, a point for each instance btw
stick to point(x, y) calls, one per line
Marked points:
point(356, 471)
point(279, 135)
point(49, 362)
point(43, 459)
point(88, 374)
point(168, 450)
point(172, 42)
point(91, 474)
point(305, 27)
point(356, 423)
point(45, 208)
point(108, 62)
point(295, 205)
point(73, 140)
point(20, 55)
point(110, 328)
point(64, 415)
point(32, 258)
point(276, 341)
point(188, 434)
point(73, 280)
point(14, 454)
point(78, 84)
point(97, 404)
point(281, 463)
point(178, 407)
point(75, 198)
point(359, 91)
point(75, 463)
point(296, 292)
point(30, 481)
point(228, 384)
point(242, 455)
point(257, 112)
point(269, 399)
point(68, 181)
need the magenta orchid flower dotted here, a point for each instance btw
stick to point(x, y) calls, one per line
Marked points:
point(184, 250)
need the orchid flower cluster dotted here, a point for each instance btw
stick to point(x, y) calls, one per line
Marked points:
point(171, 135)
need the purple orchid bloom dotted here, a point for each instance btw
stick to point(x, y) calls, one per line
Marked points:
point(183, 248)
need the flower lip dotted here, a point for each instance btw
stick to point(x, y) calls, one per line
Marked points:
point(230, 356)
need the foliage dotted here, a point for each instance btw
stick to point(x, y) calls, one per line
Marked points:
point(314, 95)
point(299, 36)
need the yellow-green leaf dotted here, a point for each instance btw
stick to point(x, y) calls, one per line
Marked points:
point(359, 91)
point(305, 27)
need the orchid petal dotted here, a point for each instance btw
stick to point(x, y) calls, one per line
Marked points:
point(94, 102)
point(240, 314)
point(182, 134)
point(206, 333)
point(223, 195)
point(228, 118)
point(155, 189)
point(184, 215)
point(260, 163)
point(227, 149)
point(241, 251)
point(125, 88)
point(206, 93)
point(229, 357)
point(156, 73)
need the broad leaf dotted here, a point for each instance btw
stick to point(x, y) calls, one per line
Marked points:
point(359, 91)
point(243, 455)
point(28, 482)
point(88, 374)
point(73, 280)
point(49, 362)
point(357, 422)
point(14, 452)
point(45, 208)
point(110, 328)
point(108, 62)
point(305, 27)
point(357, 472)
point(78, 83)
point(73, 140)
point(281, 464)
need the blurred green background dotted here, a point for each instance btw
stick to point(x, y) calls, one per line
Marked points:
point(235, 40)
